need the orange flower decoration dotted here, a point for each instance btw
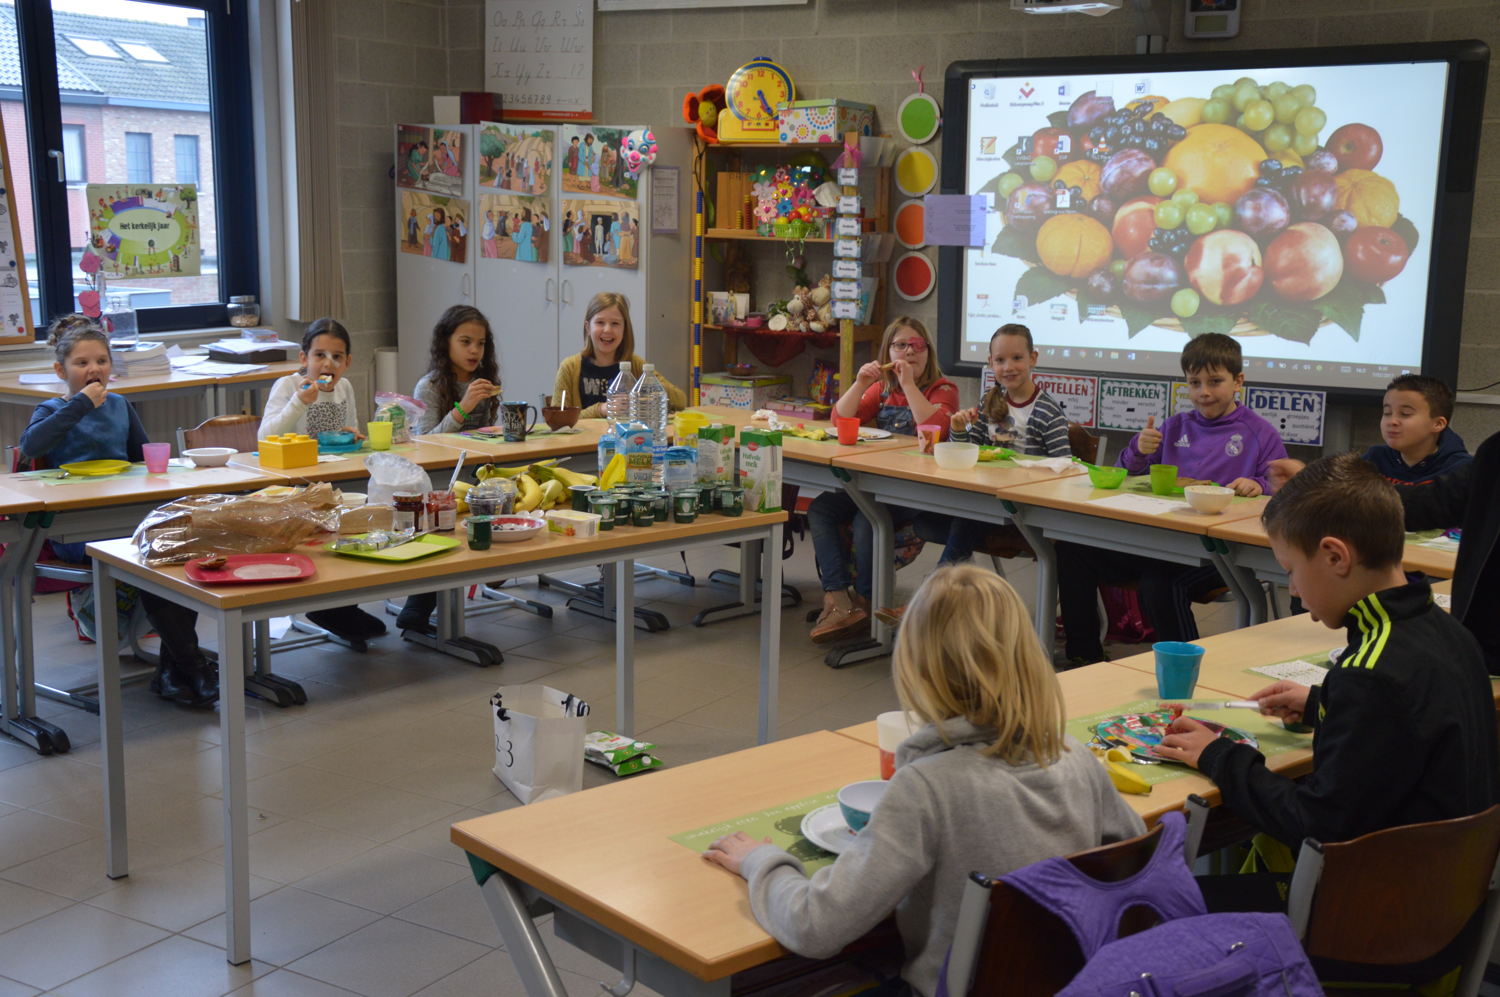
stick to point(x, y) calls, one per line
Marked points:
point(702, 109)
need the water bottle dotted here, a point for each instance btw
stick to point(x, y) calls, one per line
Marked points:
point(648, 405)
point(617, 398)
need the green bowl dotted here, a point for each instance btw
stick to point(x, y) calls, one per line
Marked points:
point(1106, 477)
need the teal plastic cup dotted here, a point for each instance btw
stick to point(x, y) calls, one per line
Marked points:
point(1177, 666)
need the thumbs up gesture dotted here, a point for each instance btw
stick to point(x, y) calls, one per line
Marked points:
point(1149, 439)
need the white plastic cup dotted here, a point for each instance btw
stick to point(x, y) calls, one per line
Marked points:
point(890, 730)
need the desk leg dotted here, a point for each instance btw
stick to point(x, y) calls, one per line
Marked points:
point(111, 733)
point(1250, 600)
point(527, 950)
point(1046, 580)
point(748, 581)
point(882, 584)
point(624, 571)
point(233, 638)
point(450, 638)
point(770, 634)
point(19, 719)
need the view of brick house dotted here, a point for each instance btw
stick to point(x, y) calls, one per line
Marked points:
point(135, 109)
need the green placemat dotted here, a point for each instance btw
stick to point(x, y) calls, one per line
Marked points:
point(1273, 737)
point(1436, 539)
point(50, 477)
point(783, 825)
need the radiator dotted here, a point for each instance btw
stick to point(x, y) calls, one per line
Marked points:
point(163, 416)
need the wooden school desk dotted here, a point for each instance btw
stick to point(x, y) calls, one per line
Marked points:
point(540, 444)
point(168, 384)
point(341, 581)
point(619, 888)
point(252, 381)
point(905, 477)
point(73, 511)
point(351, 466)
point(1069, 509)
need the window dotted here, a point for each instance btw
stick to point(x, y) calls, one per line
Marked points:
point(137, 157)
point(186, 149)
point(178, 81)
point(75, 155)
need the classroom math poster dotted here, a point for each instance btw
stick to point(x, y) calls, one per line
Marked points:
point(1126, 403)
point(145, 230)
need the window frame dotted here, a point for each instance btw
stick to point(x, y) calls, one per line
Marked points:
point(227, 29)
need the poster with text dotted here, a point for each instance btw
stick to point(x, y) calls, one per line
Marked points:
point(514, 228)
point(430, 159)
point(592, 162)
point(515, 158)
point(145, 230)
point(1076, 393)
point(601, 233)
point(1125, 403)
point(1297, 415)
point(539, 57)
point(434, 226)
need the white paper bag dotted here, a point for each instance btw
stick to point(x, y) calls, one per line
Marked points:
point(538, 741)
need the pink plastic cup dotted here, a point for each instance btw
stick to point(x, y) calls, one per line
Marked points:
point(157, 455)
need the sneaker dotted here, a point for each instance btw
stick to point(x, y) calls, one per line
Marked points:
point(891, 615)
point(348, 622)
point(841, 624)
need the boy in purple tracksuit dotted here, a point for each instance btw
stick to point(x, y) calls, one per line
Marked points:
point(1219, 440)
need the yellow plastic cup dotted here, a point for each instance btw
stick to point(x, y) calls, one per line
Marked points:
point(380, 435)
point(687, 423)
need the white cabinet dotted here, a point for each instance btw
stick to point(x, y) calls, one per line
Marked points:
point(536, 309)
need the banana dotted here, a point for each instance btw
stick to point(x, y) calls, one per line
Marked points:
point(565, 475)
point(614, 472)
point(491, 471)
point(553, 492)
point(1116, 762)
point(531, 493)
point(461, 495)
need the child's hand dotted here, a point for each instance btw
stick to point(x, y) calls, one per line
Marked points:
point(1245, 487)
point(478, 392)
point(868, 373)
point(1282, 470)
point(1185, 741)
point(962, 419)
point(906, 375)
point(355, 430)
point(95, 391)
point(307, 391)
point(1287, 700)
point(1148, 440)
point(730, 850)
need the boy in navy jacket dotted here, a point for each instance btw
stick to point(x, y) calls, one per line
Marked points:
point(1414, 422)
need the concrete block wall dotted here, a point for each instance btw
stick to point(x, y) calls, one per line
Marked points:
point(394, 55)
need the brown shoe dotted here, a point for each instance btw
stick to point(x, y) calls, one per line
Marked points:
point(841, 624)
point(890, 615)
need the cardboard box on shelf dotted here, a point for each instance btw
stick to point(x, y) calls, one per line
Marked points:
point(827, 120)
point(743, 392)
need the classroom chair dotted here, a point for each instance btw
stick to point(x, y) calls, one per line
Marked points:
point(238, 431)
point(1005, 942)
point(1391, 905)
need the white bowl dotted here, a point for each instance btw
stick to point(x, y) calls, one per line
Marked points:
point(1208, 498)
point(352, 500)
point(956, 456)
point(512, 529)
point(859, 799)
point(210, 456)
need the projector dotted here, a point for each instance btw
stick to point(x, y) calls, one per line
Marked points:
point(1094, 8)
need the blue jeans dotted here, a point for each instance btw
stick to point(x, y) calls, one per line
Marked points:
point(831, 510)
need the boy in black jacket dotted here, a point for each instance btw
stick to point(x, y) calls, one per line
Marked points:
point(1404, 723)
point(1468, 496)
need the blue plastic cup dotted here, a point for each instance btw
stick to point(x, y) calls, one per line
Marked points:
point(1176, 668)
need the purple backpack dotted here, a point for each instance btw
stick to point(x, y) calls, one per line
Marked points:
point(1189, 953)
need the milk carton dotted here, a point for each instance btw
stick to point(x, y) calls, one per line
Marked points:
point(760, 469)
point(715, 454)
point(635, 444)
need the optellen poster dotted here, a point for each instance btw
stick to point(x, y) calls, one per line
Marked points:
point(145, 230)
point(601, 233)
point(433, 226)
point(593, 164)
point(515, 158)
point(514, 228)
point(430, 159)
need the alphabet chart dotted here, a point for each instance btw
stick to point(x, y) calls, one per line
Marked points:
point(539, 56)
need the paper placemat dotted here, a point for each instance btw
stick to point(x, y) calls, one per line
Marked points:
point(50, 477)
point(1435, 539)
point(1310, 669)
point(1151, 505)
point(783, 825)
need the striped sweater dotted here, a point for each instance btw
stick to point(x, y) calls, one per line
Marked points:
point(1044, 435)
point(1403, 731)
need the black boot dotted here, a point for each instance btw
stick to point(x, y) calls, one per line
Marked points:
point(197, 685)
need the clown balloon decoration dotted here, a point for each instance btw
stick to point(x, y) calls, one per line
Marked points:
point(639, 150)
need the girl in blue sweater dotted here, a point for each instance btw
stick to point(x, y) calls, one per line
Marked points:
point(90, 423)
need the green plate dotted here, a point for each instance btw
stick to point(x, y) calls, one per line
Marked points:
point(424, 546)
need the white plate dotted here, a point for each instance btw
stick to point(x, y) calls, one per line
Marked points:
point(867, 433)
point(826, 828)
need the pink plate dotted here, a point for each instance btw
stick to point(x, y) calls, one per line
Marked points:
point(253, 569)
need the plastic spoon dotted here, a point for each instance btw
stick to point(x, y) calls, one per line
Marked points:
point(462, 454)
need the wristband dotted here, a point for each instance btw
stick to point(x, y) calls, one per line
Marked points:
point(460, 410)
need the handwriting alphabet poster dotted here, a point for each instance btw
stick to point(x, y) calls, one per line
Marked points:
point(539, 56)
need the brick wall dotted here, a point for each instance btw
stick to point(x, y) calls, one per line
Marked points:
point(394, 55)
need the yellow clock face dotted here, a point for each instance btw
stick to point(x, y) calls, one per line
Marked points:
point(755, 89)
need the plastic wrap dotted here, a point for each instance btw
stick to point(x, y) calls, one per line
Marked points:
point(205, 525)
point(391, 473)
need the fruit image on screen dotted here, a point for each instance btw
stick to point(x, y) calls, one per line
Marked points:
point(1291, 208)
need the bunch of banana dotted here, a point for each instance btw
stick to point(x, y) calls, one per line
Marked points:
point(461, 496)
point(568, 478)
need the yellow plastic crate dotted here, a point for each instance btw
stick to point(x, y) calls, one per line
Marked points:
point(288, 450)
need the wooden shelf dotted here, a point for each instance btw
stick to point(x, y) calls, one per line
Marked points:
point(751, 235)
point(862, 333)
point(731, 146)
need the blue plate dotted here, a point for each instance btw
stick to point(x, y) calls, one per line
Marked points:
point(340, 448)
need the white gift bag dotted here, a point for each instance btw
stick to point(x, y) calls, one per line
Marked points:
point(538, 741)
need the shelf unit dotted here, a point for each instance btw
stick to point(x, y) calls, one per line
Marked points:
point(731, 157)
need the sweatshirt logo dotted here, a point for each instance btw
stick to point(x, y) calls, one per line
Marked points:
point(1235, 446)
point(1183, 441)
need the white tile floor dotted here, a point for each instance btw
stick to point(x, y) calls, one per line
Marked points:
point(357, 888)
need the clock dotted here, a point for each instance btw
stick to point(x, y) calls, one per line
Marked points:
point(1211, 18)
point(753, 91)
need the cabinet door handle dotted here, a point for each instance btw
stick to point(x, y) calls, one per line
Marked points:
point(547, 291)
point(468, 285)
point(567, 292)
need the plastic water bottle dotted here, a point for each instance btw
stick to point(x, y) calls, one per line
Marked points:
point(617, 399)
point(648, 405)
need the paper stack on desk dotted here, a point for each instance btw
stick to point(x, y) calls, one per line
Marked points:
point(142, 360)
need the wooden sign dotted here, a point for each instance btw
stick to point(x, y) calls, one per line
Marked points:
point(15, 295)
point(539, 56)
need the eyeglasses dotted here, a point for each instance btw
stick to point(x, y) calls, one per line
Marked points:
point(909, 345)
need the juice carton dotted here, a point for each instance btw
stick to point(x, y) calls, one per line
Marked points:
point(760, 469)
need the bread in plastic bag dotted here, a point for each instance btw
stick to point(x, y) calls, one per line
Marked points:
point(271, 521)
point(391, 473)
point(401, 411)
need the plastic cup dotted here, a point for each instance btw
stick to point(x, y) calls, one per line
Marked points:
point(156, 456)
point(731, 501)
point(890, 730)
point(1177, 666)
point(928, 436)
point(661, 504)
point(1163, 478)
point(580, 494)
point(642, 510)
point(848, 431)
point(685, 505)
point(379, 434)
